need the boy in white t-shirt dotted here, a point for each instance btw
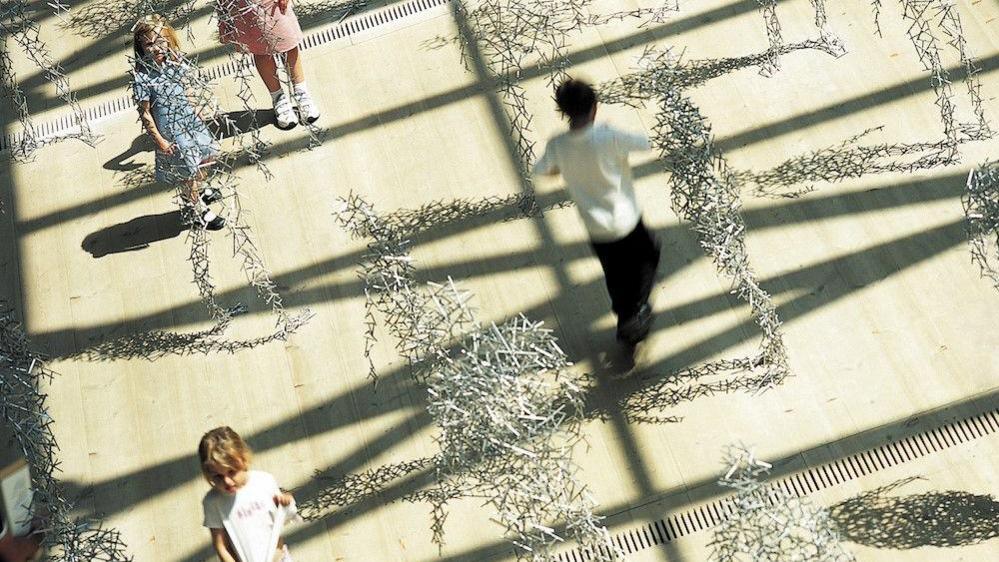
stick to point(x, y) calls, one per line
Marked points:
point(245, 509)
point(593, 161)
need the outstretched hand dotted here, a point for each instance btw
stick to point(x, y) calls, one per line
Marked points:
point(283, 499)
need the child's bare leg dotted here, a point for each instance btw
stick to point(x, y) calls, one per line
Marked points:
point(307, 107)
point(191, 191)
point(267, 69)
point(293, 63)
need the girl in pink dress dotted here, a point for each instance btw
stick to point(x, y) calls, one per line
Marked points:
point(265, 28)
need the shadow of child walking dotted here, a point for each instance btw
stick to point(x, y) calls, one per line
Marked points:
point(135, 234)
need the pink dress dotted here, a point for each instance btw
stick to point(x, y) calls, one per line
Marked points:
point(258, 26)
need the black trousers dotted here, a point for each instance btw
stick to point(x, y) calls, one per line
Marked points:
point(629, 269)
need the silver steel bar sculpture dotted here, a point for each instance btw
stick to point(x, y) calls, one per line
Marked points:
point(704, 191)
point(981, 206)
point(220, 176)
point(934, 26)
point(16, 25)
point(506, 34)
point(509, 416)
point(764, 523)
point(23, 407)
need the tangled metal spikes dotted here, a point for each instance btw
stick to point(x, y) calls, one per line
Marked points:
point(508, 416)
point(827, 41)
point(931, 22)
point(705, 192)
point(15, 24)
point(942, 15)
point(849, 159)
point(219, 176)
point(765, 523)
point(981, 206)
point(22, 374)
point(506, 34)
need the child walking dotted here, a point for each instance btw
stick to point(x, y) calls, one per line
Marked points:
point(593, 160)
point(184, 146)
point(265, 29)
point(245, 509)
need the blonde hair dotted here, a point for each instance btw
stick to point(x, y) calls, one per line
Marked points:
point(153, 23)
point(223, 448)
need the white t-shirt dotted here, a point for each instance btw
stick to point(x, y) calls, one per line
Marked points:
point(594, 163)
point(248, 516)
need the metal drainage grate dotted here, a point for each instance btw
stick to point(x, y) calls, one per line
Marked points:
point(343, 29)
point(803, 483)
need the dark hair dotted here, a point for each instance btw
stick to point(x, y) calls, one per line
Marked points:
point(575, 98)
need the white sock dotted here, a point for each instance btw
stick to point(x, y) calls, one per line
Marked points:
point(276, 94)
point(301, 89)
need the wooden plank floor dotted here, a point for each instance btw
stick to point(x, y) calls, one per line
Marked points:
point(885, 316)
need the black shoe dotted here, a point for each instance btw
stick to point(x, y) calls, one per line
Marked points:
point(214, 223)
point(210, 195)
point(632, 330)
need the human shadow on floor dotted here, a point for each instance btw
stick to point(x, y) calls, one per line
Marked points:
point(136, 234)
point(223, 126)
point(232, 123)
point(942, 519)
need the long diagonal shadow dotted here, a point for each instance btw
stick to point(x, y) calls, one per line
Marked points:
point(737, 140)
point(61, 342)
point(825, 281)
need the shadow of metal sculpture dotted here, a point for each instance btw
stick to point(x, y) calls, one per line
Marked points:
point(942, 519)
point(765, 523)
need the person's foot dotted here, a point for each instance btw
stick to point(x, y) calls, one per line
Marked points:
point(284, 112)
point(210, 221)
point(308, 111)
point(635, 329)
point(210, 195)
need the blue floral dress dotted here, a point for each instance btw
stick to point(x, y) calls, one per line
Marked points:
point(163, 86)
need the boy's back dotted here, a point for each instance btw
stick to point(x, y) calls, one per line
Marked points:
point(594, 163)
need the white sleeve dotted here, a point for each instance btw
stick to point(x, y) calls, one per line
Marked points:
point(212, 518)
point(631, 142)
point(546, 164)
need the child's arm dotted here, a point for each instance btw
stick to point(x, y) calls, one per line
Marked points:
point(546, 164)
point(632, 142)
point(221, 544)
point(146, 116)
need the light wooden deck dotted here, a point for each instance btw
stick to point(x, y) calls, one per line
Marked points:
point(885, 316)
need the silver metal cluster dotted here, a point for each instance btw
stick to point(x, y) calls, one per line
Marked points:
point(705, 192)
point(844, 160)
point(981, 206)
point(508, 414)
point(15, 24)
point(506, 34)
point(933, 24)
point(942, 15)
point(110, 17)
point(827, 40)
point(22, 376)
point(764, 523)
point(219, 176)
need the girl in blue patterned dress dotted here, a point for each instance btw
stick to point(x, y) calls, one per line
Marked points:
point(184, 146)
